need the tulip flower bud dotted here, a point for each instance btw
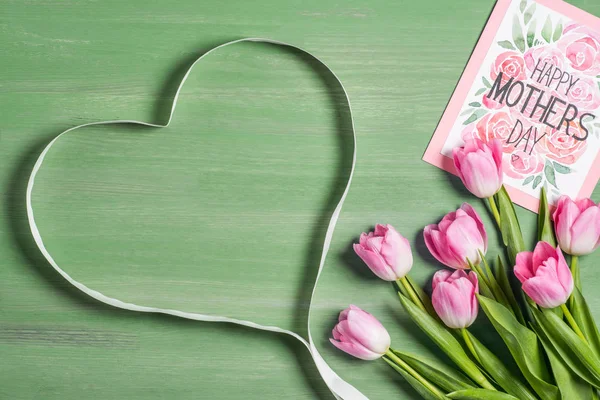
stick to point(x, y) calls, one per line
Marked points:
point(386, 252)
point(454, 297)
point(577, 225)
point(545, 275)
point(479, 166)
point(459, 236)
point(359, 334)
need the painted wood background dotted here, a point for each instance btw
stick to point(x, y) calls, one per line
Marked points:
point(225, 211)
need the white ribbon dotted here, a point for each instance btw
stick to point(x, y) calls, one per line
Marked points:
point(340, 388)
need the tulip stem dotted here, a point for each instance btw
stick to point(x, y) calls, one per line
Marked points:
point(494, 209)
point(572, 322)
point(398, 361)
point(469, 344)
point(575, 271)
point(411, 293)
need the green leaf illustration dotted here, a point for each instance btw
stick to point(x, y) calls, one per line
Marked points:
point(550, 176)
point(558, 31)
point(517, 33)
point(528, 180)
point(486, 82)
point(523, 5)
point(531, 34)
point(537, 181)
point(475, 116)
point(506, 44)
point(547, 30)
point(467, 111)
point(481, 91)
point(479, 394)
point(561, 169)
point(475, 104)
point(529, 13)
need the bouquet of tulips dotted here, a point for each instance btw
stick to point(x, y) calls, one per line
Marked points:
point(544, 321)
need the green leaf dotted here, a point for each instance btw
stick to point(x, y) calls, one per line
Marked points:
point(509, 225)
point(436, 372)
point(502, 278)
point(557, 32)
point(444, 339)
point(583, 316)
point(421, 389)
point(528, 180)
point(545, 231)
point(485, 290)
point(561, 169)
point(475, 104)
point(524, 347)
point(467, 111)
point(480, 394)
point(529, 14)
point(506, 45)
point(422, 296)
point(531, 33)
point(481, 91)
point(570, 385)
point(517, 34)
point(576, 354)
point(537, 181)
point(549, 172)
point(503, 376)
point(486, 82)
point(475, 116)
point(547, 30)
point(523, 5)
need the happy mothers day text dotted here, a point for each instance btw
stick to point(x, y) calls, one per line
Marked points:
point(515, 92)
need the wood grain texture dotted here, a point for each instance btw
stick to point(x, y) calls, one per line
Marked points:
point(225, 211)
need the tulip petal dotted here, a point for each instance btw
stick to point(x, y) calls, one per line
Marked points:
point(450, 305)
point(356, 350)
point(440, 276)
point(565, 278)
point(564, 216)
point(584, 204)
point(464, 240)
point(368, 331)
point(466, 207)
point(375, 262)
point(524, 266)
point(585, 232)
point(545, 293)
point(541, 253)
point(395, 250)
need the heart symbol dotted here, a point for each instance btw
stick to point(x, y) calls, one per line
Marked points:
point(340, 388)
point(514, 157)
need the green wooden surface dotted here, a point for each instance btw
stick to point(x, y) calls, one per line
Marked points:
point(225, 211)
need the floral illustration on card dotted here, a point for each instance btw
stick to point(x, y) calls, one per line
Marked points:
point(540, 96)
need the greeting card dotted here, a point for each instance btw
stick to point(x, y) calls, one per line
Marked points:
point(533, 82)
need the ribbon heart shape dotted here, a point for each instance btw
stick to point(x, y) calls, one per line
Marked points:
point(340, 388)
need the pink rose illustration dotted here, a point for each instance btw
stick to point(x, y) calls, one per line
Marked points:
point(490, 103)
point(521, 164)
point(581, 46)
point(562, 147)
point(585, 94)
point(511, 64)
point(497, 125)
point(542, 55)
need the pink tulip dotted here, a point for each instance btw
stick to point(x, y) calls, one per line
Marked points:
point(359, 334)
point(479, 166)
point(545, 275)
point(577, 225)
point(386, 252)
point(454, 297)
point(459, 236)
